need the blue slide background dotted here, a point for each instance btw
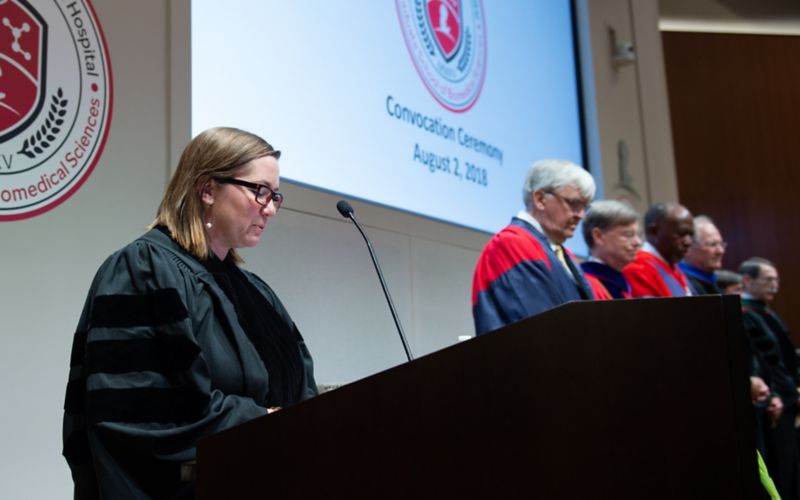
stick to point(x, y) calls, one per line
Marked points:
point(313, 79)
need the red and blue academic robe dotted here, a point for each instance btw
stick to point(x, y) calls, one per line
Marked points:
point(599, 291)
point(607, 282)
point(651, 276)
point(518, 275)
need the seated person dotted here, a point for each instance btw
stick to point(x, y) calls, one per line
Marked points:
point(611, 231)
point(669, 228)
point(729, 282)
point(704, 257)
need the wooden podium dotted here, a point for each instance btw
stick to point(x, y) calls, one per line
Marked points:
point(638, 399)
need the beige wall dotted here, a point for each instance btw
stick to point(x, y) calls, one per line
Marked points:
point(48, 261)
point(314, 259)
point(635, 141)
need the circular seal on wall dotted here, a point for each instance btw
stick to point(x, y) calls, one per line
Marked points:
point(447, 43)
point(55, 102)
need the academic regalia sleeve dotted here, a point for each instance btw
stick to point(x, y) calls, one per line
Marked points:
point(766, 343)
point(140, 391)
point(644, 279)
point(599, 291)
point(512, 281)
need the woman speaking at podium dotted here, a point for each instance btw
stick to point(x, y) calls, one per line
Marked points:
point(175, 341)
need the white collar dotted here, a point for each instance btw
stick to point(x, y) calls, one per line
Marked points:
point(647, 247)
point(530, 219)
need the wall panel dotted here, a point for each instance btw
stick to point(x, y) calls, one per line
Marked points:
point(735, 109)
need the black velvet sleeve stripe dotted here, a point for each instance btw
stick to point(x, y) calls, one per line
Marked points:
point(78, 349)
point(164, 354)
point(150, 309)
point(161, 405)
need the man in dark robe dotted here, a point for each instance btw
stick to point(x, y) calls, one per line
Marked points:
point(776, 362)
point(524, 269)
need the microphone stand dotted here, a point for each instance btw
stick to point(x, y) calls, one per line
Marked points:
point(347, 211)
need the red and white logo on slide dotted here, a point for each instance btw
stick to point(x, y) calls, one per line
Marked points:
point(21, 67)
point(444, 19)
point(55, 102)
point(447, 43)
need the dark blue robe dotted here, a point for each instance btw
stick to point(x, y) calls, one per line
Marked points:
point(613, 280)
point(702, 282)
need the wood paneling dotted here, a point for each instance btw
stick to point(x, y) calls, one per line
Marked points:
point(735, 108)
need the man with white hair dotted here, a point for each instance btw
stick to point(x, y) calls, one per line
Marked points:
point(524, 269)
point(704, 257)
point(611, 231)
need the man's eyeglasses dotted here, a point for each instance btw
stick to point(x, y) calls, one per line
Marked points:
point(714, 244)
point(577, 205)
point(264, 194)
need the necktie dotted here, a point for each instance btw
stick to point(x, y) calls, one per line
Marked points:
point(585, 293)
point(559, 250)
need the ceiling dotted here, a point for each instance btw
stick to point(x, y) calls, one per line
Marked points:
point(777, 17)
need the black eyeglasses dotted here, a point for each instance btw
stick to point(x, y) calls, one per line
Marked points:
point(264, 194)
point(577, 205)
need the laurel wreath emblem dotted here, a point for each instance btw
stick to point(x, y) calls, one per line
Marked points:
point(421, 22)
point(44, 137)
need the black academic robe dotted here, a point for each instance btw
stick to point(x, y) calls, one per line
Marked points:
point(775, 355)
point(159, 360)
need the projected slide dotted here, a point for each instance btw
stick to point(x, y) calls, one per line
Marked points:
point(436, 107)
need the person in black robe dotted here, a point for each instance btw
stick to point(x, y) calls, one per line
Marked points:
point(776, 362)
point(729, 282)
point(176, 341)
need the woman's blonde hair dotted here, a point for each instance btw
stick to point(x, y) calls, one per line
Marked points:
point(216, 152)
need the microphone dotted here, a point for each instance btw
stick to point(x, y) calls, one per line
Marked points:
point(346, 210)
